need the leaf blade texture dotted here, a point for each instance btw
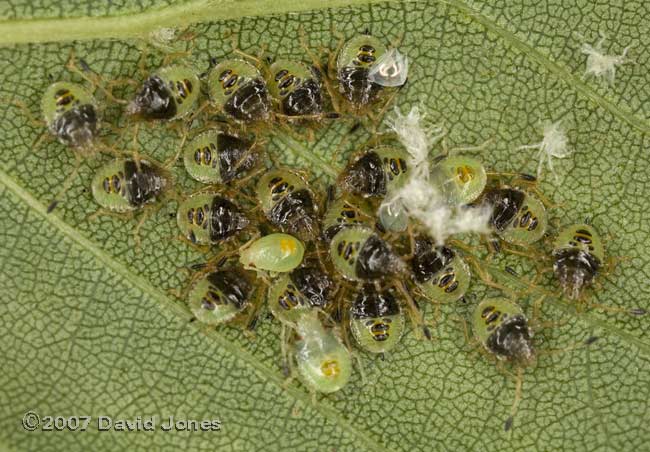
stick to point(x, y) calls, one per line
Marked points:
point(89, 328)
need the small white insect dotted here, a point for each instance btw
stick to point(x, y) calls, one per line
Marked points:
point(600, 64)
point(418, 196)
point(554, 144)
point(391, 69)
point(416, 137)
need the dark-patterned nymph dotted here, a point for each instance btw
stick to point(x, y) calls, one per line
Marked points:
point(502, 328)
point(376, 319)
point(220, 295)
point(288, 202)
point(218, 157)
point(375, 171)
point(578, 255)
point(296, 89)
point(124, 185)
point(293, 294)
point(71, 114)
point(207, 218)
point(439, 272)
point(238, 89)
point(169, 93)
point(517, 216)
point(359, 254)
point(364, 67)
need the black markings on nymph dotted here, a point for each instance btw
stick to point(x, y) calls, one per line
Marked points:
point(356, 87)
point(375, 306)
point(295, 213)
point(365, 176)
point(429, 260)
point(506, 203)
point(375, 259)
point(348, 216)
point(250, 102)
point(512, 339)
point(313, 284)
point(225, 219)
point(306, 99)
point(233, 284)
point(77, 127)
point(144, 184)
point(289, 299)
point(575, 269)
point(153, 101)
point(235, 157)
point(371, 303)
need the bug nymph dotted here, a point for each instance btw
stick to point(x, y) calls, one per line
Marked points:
point(375, 171)
point(517, 216)
point(218, 157)
point(276, 253)
point(578, 255)
point(206, 218)
point(361, 255)
point(125, 185)
point(238, 89)
point(288, 203)
point(460, 179)
point(220, 295)
point(293, 294)
point(364, 67)
point(71, 114)
point(169, 93)
point(324, 363)
point(439, 272)
point(502, 328)
point(346, 211)
point(296, 88)
point(376, 319)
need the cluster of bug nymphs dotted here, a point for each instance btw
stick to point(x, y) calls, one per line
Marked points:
point(345, 264)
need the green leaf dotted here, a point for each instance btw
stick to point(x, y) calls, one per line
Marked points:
point(88, 326)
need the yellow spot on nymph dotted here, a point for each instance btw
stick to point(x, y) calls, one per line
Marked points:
point(465, 174)
point(287, 246)
point(330, 368)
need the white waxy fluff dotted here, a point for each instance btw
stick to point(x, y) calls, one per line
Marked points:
point(554, 144)
point(391, 69)
point(416, 138)
point(418, 196)
point(426, 204)
point(600, 64)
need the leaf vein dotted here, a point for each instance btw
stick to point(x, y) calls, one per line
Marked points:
point(143, 285)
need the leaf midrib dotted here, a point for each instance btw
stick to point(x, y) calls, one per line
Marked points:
point(263, 371)
point(367, 439)
point(194, 11)
point(128, 25)
point(560, 71)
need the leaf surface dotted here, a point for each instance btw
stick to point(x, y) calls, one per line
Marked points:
point(88, 325)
